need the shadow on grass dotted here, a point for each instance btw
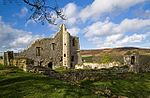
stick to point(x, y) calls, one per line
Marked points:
point(39, 86)
point(20, 84)
point(128, 84)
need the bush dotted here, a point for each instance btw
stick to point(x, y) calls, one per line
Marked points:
point(106, 59)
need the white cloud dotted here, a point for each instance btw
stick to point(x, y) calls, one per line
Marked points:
point(99, 7)
point(22, 12)
point(120, 40)
point(71, 13)
point(109, 34)
point(74, 31)
point(134, 38)
point(24, 40)
point(100, 29)
point(11, 38)
point(108, 28)
point(113, 38)
point(133, 25)
point(70, 10)
point(29, 22)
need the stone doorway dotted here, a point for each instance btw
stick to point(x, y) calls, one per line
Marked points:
point(132, 60)
point(50, 65)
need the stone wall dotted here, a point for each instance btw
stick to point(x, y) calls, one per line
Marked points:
point(144, 63)
point(50, 52)
point(132, 61)
point(137, 62)
point(23, 63)
point(8, 58)
point(46, 52)
point(97, 65)
point(78, 75)
point(2, 61)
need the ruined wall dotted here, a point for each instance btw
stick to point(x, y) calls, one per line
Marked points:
point(75, 53)
point(54, 52)
point(144, 63)
point(46, 53)
point(8, 58)
point(58, 54)
point(140, 63)
point(23, 63)
point(2, 61)
point(49, 52)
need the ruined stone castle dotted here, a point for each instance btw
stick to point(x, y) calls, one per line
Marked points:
point(63, 50)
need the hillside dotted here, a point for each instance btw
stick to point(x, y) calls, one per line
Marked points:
point(114, 51)
point(109, 55)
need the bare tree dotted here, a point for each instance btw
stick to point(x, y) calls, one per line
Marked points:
point(42, 12)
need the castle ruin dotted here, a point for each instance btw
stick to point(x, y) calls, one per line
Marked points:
point(63, 50)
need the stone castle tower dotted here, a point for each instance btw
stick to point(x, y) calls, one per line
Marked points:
point(63, 50)
point(66, 48)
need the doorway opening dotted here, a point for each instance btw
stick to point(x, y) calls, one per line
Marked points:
point(132, 60)
point(50, 65)
point(71, 65)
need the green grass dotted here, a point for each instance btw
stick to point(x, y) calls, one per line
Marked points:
point(15, 83)
point(88, 59)
point(129, 84)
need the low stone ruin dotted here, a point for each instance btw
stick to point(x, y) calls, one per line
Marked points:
point(137, 62)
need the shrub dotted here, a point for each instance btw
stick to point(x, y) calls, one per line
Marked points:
point(106, 59)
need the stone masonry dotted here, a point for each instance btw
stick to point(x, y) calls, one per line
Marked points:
point(132, 60)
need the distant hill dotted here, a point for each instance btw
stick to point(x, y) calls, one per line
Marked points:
point(115, 51)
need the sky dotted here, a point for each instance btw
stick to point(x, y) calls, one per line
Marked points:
point(98, 24)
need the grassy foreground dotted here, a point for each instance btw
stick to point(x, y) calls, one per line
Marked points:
point(15, 83)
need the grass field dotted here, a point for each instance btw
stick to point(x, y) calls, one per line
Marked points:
point(15, 83)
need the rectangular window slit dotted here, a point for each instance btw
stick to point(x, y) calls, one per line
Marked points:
point(64, 55)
